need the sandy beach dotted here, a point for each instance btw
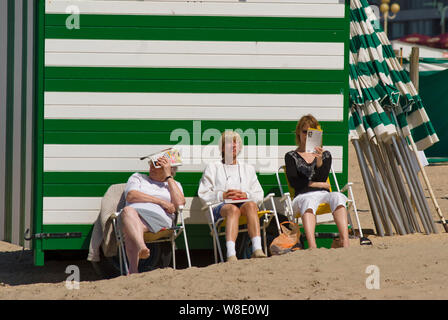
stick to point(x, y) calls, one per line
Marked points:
point(408, 267)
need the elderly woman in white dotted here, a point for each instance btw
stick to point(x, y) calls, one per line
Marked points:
point(151, 202)
point(231, 179)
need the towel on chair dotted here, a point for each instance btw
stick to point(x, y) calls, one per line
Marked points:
point(103, 234)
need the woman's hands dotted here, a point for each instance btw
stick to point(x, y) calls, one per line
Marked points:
point(168, 206)
point(166, 165)
point(323, 185)
point(234, 194)
point(318, 151)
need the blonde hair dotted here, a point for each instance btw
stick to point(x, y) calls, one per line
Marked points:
point(230, 135)
point(309, 120)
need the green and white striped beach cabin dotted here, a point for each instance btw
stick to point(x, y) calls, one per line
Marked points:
point(124, 79)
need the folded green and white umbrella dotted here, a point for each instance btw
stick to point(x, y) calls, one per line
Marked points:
point(378, 84)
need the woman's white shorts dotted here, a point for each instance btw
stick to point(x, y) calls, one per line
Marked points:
point(311, 200)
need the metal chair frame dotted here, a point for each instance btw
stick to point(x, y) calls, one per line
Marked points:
point(216, 226)
point(166, 235)
point(323, 208)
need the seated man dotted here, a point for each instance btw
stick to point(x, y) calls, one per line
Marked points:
point(230, 179)
point(151, 201)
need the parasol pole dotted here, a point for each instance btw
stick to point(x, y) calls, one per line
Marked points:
point(393, 211)
point(400, 185)
point(416, 182)
point(369, 188)
point(414, 68)
point(393, 187)
point(428, 185)
point(381, 195)
point(403, 165)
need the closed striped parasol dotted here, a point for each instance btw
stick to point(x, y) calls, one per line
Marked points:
point(378, 84)
point(386, 114)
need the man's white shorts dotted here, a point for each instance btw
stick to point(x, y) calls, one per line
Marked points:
point(311, 200)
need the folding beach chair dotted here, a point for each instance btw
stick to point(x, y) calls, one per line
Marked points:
point(323, 212)
point(217, 228)
point(166, 235)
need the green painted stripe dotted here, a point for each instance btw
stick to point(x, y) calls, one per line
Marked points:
point(155, 138)
point(140, 126)
point(192, 74)
point(74, 178)
point(196, 86)
point(109, 178)
point(98, 190)
point(69, 243)
point(198, 236)
point(206, 34)
point(95, 184)
point(202, 22)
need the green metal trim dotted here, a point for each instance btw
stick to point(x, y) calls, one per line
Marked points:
point(39, 129)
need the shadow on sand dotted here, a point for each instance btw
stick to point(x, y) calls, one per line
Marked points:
point(17, 268)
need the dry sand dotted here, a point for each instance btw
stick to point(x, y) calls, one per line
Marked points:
point(410, 267)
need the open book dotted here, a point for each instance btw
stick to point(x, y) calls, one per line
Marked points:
point(172, 154)
point(313, 139)
point(236, 200)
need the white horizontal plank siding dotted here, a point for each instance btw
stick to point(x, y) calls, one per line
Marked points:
point(172, 106)
point(120, 165)
point(309, 9)
point(192, 99)
point(69, 217)
point(193, 47)
point(193, 61)
point(189, 113)
point(187, 151)
point(110, 158)
point(85, 210)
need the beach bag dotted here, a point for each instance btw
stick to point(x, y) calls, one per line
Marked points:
point(287, 241)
